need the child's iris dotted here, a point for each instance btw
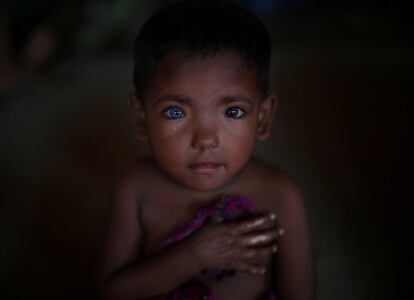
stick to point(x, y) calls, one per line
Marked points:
point(235, 112)
point(174, 112)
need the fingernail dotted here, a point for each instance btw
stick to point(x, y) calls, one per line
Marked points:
point(258, 239)
point(258, 222)
point(281, 231)
point(272, 217)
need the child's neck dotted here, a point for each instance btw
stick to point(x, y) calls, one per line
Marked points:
point(229, 188)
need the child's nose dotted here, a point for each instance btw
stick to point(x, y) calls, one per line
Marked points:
point(205, 137)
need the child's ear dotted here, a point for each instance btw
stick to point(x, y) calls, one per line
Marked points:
point(139, 116)
point(266, 111)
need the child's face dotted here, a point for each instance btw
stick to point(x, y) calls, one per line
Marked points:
point(202, 116)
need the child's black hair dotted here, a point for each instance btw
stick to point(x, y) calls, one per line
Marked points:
point(202, 27)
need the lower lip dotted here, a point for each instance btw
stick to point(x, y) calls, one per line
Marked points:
point(205, 167)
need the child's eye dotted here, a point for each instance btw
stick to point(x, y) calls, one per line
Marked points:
point(235, 112)
point(174, 112)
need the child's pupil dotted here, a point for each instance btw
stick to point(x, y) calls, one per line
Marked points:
point(175, 112)
point(233, 112)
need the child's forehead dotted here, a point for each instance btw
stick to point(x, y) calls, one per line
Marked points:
point(184, 70)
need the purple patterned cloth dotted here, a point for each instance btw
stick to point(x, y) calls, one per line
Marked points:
point(227, 209)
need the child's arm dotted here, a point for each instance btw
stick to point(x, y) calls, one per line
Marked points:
point(123, 273)
point(294, 259)
point(126, 275)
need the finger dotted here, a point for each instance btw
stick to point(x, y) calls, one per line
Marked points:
point(248, 268)
point(260, 253)
point(260, 238)
point(260, 223)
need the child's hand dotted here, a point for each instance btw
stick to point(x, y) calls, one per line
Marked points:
point(238, 246)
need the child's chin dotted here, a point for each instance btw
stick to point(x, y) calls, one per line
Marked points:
point(203, 186)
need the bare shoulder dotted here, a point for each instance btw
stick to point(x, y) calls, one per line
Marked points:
point(136, 178)
point(282, 191)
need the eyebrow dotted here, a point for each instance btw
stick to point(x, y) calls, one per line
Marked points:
point(173, 97)
point(236, 98)
point(187, 100)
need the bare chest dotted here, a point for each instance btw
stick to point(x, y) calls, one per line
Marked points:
point(165, 214)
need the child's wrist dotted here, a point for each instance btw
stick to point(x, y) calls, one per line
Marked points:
point(195, 259)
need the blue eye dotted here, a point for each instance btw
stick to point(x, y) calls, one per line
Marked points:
point(235, 112)
point(174, 112)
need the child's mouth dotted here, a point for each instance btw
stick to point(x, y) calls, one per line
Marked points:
point(205, 167)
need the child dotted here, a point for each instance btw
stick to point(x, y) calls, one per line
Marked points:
point(197, 220)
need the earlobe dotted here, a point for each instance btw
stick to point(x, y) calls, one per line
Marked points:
point(266, 112)
point(139, 116)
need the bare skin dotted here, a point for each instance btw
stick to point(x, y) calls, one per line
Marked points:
point(201, 118)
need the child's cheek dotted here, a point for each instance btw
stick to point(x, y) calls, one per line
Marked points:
point(239, 129)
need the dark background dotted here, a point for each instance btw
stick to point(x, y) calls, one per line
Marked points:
point(342, 71)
